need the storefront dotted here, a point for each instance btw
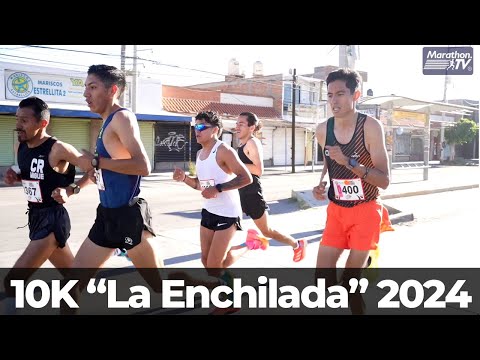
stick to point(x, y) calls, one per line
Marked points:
point(175, 145)
point(80, 128)
point(8, 138)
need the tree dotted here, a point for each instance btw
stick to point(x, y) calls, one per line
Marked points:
point(462, 132)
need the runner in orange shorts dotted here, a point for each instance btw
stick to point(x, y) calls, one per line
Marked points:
point(357, 163)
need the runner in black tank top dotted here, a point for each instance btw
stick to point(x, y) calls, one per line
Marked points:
point(47, 173)
point(354, 149)
point(251, 196)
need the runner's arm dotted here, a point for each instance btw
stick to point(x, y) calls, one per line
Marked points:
point(379, 175)
point(254, 151)
point(62, 151)
point(125, 126)
point(229, 158)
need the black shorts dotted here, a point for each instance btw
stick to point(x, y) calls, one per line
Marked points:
point(216, 222)
point(253, 204)
point(54, 219)
point(121, 227)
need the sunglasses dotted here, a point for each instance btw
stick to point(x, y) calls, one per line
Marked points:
point(201, 127)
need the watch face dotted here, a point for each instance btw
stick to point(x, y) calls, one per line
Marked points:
point(352, 162)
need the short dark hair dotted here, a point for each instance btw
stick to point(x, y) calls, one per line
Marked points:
point(210, 117)
point(109, 76)
point(252, 119)
point(351, 77)
point(39, 107)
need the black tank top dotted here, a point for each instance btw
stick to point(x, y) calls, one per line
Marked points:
point(355, 149)
point(39, 178)
point(256, 185)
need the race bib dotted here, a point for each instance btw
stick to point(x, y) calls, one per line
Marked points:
point(32, 190)
point(207, 183)
point(348, 189)
point(99, 179)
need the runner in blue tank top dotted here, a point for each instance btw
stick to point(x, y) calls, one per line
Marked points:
point(116, 189)
point(123, 219)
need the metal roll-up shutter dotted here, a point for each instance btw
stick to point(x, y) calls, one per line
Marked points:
point(172, 142)
point(146, 134)
point(282, 144)
point(7, 139)
point(76, 132)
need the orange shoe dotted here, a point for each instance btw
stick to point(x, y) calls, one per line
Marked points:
point(256, 241)
point(299, 252)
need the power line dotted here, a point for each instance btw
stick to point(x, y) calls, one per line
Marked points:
point(155, 62)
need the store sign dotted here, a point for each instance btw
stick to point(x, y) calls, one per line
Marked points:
point(50, 88)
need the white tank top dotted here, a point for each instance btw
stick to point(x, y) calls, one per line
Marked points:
point(227, 203)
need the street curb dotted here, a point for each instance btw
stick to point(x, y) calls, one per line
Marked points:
point(426, 192)
point(395, 215)
point(304, 203)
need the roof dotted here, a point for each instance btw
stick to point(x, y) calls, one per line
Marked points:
point(405, 103)
point(188, 106)
point(82, 111)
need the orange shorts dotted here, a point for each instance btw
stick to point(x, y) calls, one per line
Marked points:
point(356, 228)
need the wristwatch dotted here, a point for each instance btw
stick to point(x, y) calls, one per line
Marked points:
point(96, 162)
point(352, 163)
point(219, 187)
point(75, 187)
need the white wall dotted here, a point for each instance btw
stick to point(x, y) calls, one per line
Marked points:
point(226, 98)
point(149, 96)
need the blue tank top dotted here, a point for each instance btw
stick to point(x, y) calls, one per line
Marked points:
point(119, 188)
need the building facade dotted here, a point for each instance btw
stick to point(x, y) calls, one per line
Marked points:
point(71, 120)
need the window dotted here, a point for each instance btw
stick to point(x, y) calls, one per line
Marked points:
point(287, 93)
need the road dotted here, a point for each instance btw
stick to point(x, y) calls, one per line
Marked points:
point(442, 234)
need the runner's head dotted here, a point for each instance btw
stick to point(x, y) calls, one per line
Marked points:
point(104, 86)
point(247, 124)
point(33, 117)
point(207, 126)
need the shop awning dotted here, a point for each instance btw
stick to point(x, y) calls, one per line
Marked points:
point(423, 106)
point(81, 111)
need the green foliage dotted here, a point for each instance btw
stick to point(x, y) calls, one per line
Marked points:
point(191, 169)
point(462, 132)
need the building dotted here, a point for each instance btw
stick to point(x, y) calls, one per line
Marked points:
point(310, 107)
point(228, 106)
point(414, 128)
point(71, 120)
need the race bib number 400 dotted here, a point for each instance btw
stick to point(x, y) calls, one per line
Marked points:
point(32, 190)
point(348, 189)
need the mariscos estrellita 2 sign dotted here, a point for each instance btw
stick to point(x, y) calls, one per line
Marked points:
point(51, 88)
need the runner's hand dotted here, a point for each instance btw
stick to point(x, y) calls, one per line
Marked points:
point(91, 176)
point(178, 174)
point(319, 191)
point(60, 195)
point(10, 177)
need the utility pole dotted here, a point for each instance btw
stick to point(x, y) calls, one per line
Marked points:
point(294, 90)
point(342, 56)
point(122, 67)
point(134, 80)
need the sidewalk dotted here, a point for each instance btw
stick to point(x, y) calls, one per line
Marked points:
point(409, 182)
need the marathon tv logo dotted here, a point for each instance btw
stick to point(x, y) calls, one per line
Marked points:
point(447, 61)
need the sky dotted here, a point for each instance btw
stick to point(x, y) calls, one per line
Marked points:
point(392, 69)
